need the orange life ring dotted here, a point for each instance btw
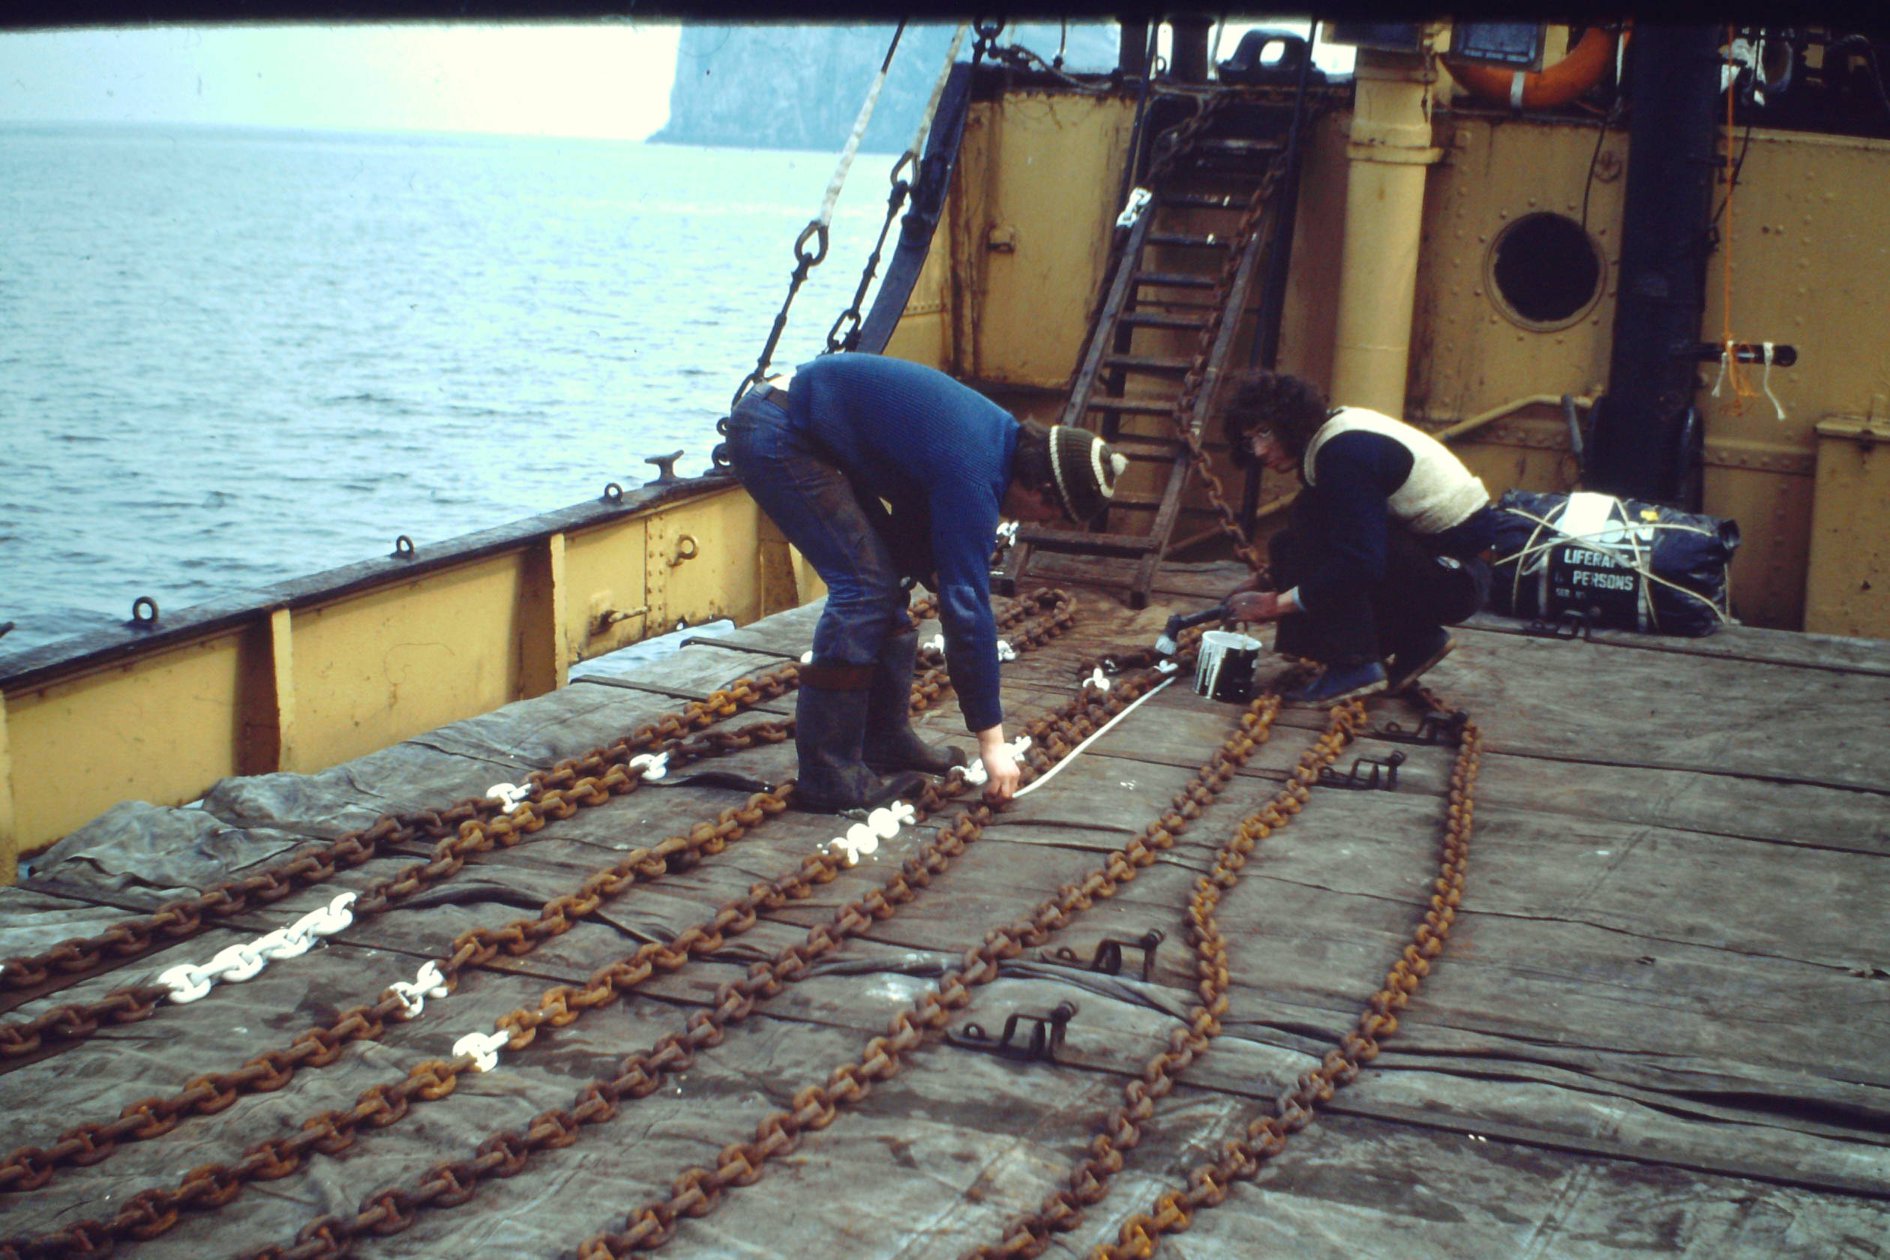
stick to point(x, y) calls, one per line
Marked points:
point(1553, 85)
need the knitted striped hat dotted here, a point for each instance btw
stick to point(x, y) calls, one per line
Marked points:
point(1085, 469)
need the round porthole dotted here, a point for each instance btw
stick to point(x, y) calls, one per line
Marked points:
point(1544, 272)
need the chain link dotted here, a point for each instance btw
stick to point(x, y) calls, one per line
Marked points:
point(1242, 1157)
point(153, 1211)
point(1088, 1182)
point(640, 1075)
point(697, 1190)
point(473, 826)
point(1196, 377)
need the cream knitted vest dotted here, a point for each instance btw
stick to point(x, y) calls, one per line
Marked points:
point(1439, 493)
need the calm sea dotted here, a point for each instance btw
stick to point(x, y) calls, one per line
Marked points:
point(230, 357)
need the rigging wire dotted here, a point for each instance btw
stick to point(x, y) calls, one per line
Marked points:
point(901, 189)
point(816, 230)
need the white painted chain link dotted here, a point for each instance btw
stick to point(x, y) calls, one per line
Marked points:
point(510, 795)
point(864, 837)
point(653, 765)
point(975, 773)
point(934, 644)
point(188, 982)
point(1005, 651)
point(430, 983)
point(1099, 680)
point(483, 1047)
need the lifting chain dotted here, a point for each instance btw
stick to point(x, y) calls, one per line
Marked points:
point(481, 825)
point(1062, 1210)
point(155, 1210)
point(1178, 141)
point(697, 1191)
point(503, 1154)
point(177, 920)
point(1242, 1157)
point(849, 319)
point(1196, 378)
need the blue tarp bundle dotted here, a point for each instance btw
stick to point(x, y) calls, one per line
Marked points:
point(1629, 565)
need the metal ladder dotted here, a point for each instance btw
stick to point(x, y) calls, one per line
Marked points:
point(1184, 265)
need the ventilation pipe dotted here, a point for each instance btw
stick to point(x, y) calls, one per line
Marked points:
point(1390, 150)
point(1189, 33)
point(1132, 51)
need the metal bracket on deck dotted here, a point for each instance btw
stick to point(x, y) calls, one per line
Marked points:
point(1046, 1035)
point(1435, 727)
point(1108, 957)
point(1375, 781)
point(1573, 624)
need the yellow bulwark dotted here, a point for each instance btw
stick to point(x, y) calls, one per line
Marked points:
point(329, 668)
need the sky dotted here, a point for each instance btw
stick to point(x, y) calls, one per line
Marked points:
point(602, 79)
point(599, 79)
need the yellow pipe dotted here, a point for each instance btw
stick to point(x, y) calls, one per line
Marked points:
point(1390, 149)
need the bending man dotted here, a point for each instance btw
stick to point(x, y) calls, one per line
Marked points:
point(878, 469)
point(1385, 547)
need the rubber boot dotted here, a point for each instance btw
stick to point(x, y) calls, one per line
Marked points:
point(829, 725)
point(891, 743)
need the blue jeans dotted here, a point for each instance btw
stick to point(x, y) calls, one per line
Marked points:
point(810, 498)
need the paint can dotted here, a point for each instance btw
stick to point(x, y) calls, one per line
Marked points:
point(1225, 668)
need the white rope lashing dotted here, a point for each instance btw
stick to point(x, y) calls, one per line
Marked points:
point(825, 217)
point(917, 149)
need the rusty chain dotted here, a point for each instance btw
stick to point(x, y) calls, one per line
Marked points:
point(482, 824)
point(1242, 1157)
point(1178, 141)
point(1197, 376)
point(1088, 1182)
point(1173, 145)
point(504, 1154)
point(177, 920)
point(155, 1210)
point(697, 1190)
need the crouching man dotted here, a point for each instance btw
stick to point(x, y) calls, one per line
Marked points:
point(878, 469)
point(1387, 543)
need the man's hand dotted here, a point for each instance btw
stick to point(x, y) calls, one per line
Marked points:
point(1259, 580)
point(1260, 605)
point(999, 764)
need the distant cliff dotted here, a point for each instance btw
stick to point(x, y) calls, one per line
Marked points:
point(800, 87)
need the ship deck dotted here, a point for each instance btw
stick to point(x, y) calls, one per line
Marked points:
point(1659, 1025)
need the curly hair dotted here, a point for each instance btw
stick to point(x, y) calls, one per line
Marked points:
point(1291, 407)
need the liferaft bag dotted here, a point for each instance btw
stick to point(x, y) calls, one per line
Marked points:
point(1631, 565)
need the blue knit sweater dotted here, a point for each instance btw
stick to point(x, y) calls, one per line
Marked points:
point(939, 453)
